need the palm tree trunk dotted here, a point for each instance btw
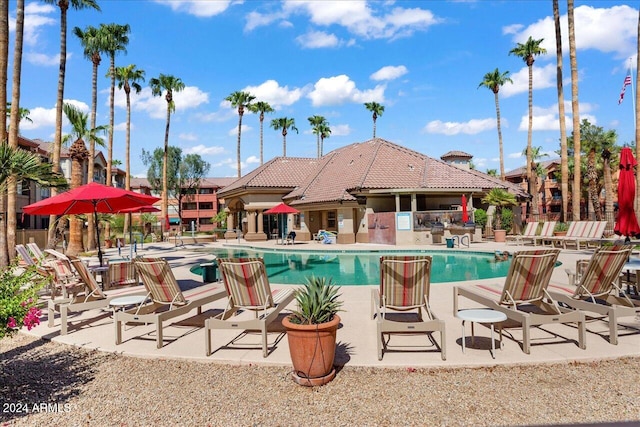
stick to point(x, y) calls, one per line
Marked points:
point(14, 128)
point(57, 139)
point(91, 226)
point(577, 175)
point(592, 174)
point(165, 177)
point(530, 171)
point(261, 134)
point(502, 177)
point(127, 161)
point(564, 162)
point(238, 144)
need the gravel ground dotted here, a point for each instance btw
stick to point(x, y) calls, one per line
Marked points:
point(49, 384)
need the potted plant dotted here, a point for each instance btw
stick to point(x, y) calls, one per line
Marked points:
point(499, 198)
point(311, 331)
point(560, 229)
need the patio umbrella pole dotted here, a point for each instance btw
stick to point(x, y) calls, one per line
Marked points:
point(95, 220)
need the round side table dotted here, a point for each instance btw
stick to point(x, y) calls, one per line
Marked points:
point(484, 316)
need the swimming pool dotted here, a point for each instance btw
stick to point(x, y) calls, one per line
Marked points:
point(363, 268)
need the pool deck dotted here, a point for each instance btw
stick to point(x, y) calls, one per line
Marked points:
point(184, 337)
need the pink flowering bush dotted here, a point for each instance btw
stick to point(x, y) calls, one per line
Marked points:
point(18, 298)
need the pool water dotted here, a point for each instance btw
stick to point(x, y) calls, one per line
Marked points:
point(363, 268)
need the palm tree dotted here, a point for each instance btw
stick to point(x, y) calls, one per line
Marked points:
point(57, 139)
point(4, 66)
point(493, 81)
point(116, 38)
point(78, 153)
point(538, 170)
point(577, 178)
point(500, 198)
point(240, 100)
point(316, 123)
point(325, 132)
point(284, 123)
point(377, 110)
point(10, 231)
point(261, 107)
point(128, 77)
point(528, 51)
point(167, 84)
point(564, 163)
point(94, 43)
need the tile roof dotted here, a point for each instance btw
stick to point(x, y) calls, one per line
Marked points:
point(522, 170)
point(376, 164)
point(456, 153)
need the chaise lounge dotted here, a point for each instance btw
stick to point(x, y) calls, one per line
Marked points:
point(524, 297)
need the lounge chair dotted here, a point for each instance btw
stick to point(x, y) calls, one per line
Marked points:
point(36, 251)
point(528, 234)
point(405, 282)
point(545, 233)
point(167, 300)
point(247, 284)
point(64, 277)
point(524, 297)
point(578, 231)
point(25, 256)
point(121, 274)
point(89, 298)
point(595, 235)
point(596, 289)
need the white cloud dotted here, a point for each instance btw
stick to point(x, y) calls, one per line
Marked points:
point(543, 77)
point(471, 127)
point(611, 30)
point(34, 19)
point(122, 126)
point(369, 20)
point(340, 130)
point(317, 39)
point(156, 106)
point(341, 89)
point(389, 73)
point(188, 136)
point(40, 117)
point(44, 59)
point(234, 131)
point(546, 119)
point(204, 150)
point(277, 96)
point(203, 9)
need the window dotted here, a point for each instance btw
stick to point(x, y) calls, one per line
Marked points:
point(189, 206)
point(204, 221)
point(206, 205)
point(206, 191)
point(331, 220)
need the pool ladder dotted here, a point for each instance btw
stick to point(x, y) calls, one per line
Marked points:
point(460, 240)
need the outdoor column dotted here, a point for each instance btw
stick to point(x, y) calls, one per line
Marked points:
point(230, 233)
point(260, 224)
point(252, 235)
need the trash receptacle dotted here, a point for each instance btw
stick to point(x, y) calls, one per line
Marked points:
point(209, 272)
point(450, 242)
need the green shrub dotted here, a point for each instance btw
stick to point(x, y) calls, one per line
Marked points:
point(506, 220)
point(18, 298)
point(480, 217)
point(318, 301)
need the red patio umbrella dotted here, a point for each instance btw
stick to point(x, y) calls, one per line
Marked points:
point(92, 197)
point(284, 209)
point(626, 221)
point(465, 214)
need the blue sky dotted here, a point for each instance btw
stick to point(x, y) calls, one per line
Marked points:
point(422, 60)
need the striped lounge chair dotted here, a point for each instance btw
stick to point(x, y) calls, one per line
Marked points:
point(545, 233)
point(247, 286)
point(405, 283)
point(122, 274)
point(167, 301)
point(25, 257)
point(596, 290)
point(524, 297)
point(528, 234)
point(90, 298)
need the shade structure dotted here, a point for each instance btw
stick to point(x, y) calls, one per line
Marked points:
point(90, 198)
point(281, 209)
point(626, 221)
point(465, 214)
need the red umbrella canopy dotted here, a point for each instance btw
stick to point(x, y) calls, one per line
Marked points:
point(626, 221)
point(140, 209)
point(92, 197)
point(465, 214)
point(281, 209)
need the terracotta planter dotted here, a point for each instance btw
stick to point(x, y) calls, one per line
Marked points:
point(559, 233)
point(499, 236)
point(312, 349)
